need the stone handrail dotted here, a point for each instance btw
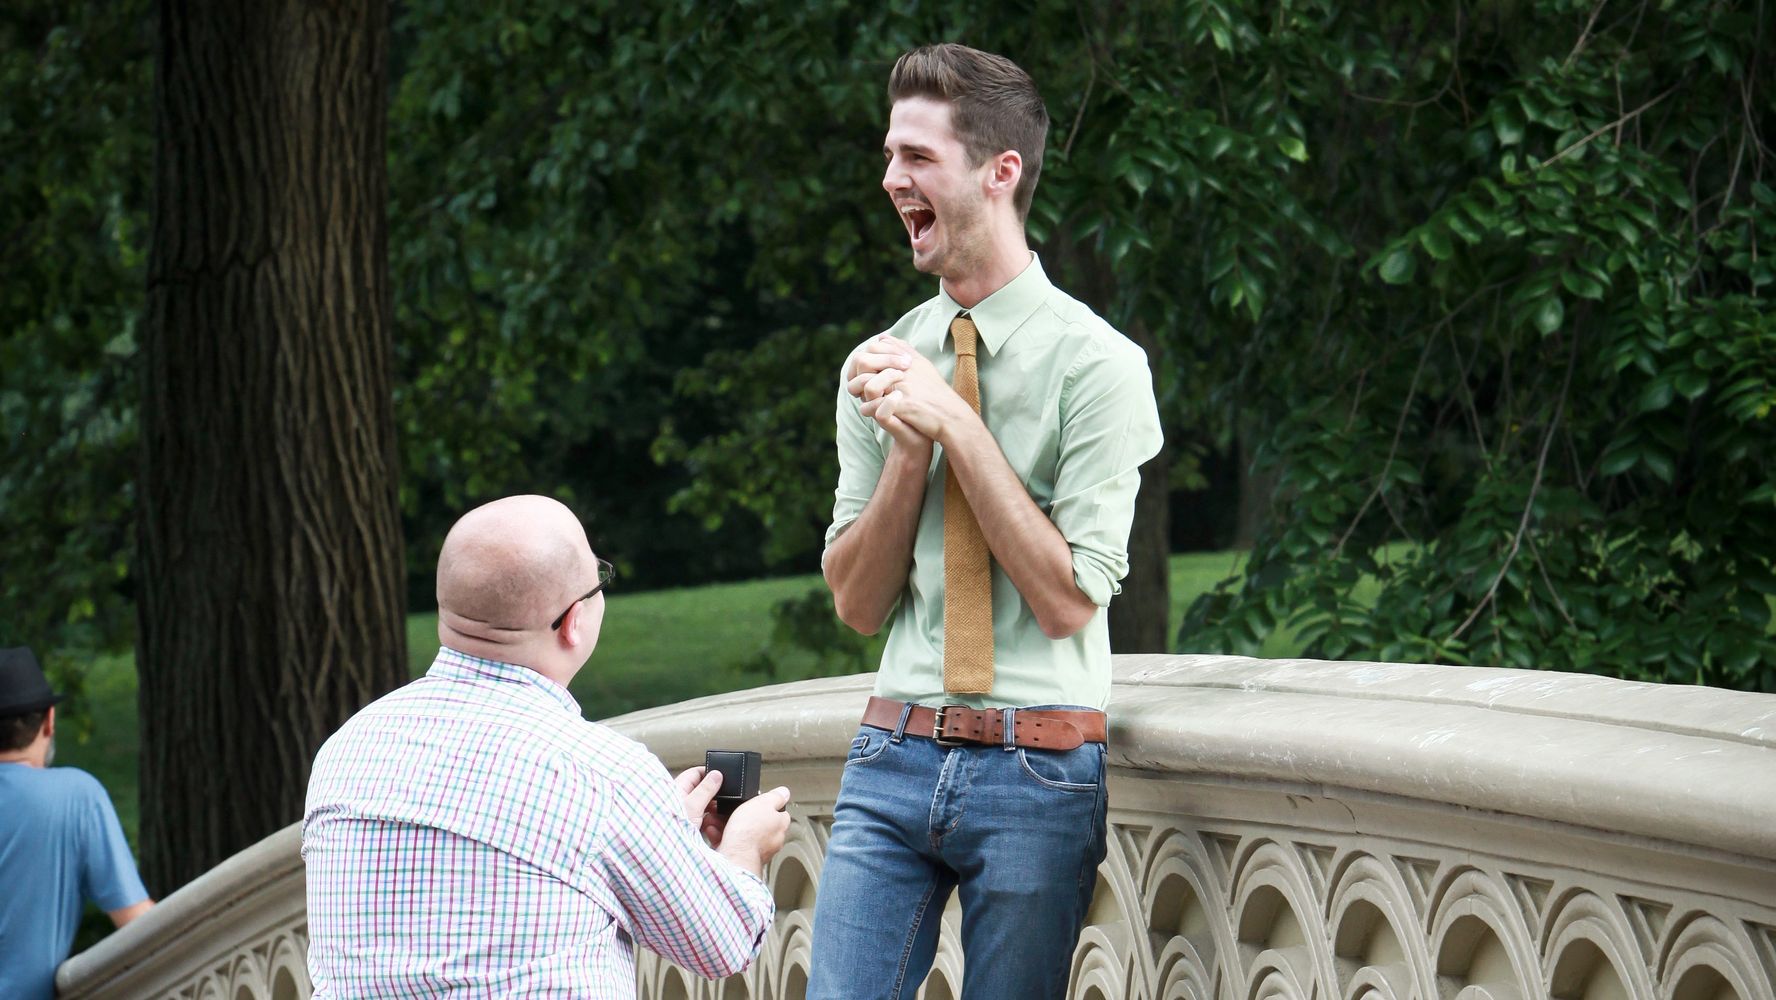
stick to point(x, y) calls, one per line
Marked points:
point(1278, 829)
point(239, 931)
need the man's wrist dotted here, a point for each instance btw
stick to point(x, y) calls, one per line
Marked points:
point(918, 455)
point(961, 431)
point(744, 859)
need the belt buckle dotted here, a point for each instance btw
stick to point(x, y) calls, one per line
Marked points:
point(937, 727)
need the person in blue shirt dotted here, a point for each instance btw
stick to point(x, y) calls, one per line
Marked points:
point(60, 842)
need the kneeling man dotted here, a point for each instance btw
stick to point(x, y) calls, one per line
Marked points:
point(472, 834)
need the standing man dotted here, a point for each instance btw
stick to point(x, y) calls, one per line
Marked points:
point(60, 842)
point(471, 835)
point(989, 452)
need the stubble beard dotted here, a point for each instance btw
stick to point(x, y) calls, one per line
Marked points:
point(965, 248)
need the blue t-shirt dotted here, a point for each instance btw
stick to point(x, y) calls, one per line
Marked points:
point(60, 845)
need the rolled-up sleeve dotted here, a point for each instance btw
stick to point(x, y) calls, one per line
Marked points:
point(1109, 428)
point(861, 457)
point(680, 898)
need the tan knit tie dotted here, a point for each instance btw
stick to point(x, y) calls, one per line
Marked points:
point(968, 568)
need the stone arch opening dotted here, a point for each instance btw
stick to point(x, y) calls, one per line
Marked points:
point(1176, 910)
point(1366, 937)
point(673, 986)
point(937, 988)
point(283, 985)
point(1584, 972)
point(1472, 954)
point(795, 983)
point(793, 888)
point(1102, 909)
point(1704, 983)
point(1268, 921)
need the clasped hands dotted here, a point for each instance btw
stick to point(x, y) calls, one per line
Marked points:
point(902, 391)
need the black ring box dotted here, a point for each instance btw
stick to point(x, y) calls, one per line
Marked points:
point(740, 776)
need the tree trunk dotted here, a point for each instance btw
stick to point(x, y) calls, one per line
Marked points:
point(1138, 615)
point(270, 565)
point(1255, 490)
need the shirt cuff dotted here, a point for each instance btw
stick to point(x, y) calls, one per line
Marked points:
point(1095, 580)
point(757, 880)
point(832, 533)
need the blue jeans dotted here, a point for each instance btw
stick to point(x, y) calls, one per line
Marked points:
point(1019, 832)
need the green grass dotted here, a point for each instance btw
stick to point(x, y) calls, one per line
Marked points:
point(662, 646)
point(657, 648)
point(1196, 573)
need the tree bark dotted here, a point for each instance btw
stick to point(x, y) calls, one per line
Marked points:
point(1255, 490)
point(1138, 615)
point(270, 556)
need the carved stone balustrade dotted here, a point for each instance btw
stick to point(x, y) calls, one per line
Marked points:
point(237, 932)
point(1279, 829)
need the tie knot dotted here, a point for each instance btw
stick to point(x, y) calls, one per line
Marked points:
point(963, 332)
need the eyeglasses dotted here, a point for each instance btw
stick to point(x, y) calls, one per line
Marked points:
point(606, 573)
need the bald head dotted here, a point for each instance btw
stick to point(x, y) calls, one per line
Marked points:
point(508, 567)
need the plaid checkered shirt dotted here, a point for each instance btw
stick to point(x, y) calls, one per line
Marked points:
point(470, 834)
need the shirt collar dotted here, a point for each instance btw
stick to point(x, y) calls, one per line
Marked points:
point(1000, 314)
point(451, 664)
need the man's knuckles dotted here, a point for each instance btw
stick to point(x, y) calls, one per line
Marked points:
point(871, 362)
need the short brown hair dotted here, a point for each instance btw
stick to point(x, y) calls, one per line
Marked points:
point(20, 731)
point(994, 105)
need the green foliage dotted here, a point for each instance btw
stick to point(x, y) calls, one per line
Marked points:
point(74, 87)
point(675, 191)
point(1552, 372)
point(519, 317)
point(808, 626)
point(1484, 286)
point(647, 229)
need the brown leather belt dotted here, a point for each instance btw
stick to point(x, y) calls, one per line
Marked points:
point(953, 725)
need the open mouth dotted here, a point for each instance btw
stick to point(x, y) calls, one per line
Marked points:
point(919, 221)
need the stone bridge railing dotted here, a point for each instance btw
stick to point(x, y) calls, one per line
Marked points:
point(1279, 829)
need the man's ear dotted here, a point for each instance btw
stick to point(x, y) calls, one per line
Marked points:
point(574, 633)
point(48, 729)
point(1005, 170)
point(568, 635)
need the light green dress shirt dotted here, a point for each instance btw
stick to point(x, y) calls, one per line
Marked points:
point(1070, 401)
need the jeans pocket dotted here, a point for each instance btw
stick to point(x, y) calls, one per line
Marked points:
point(868, 745)
point(1077, 770)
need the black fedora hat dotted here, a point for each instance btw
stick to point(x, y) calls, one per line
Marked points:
point(23, 688)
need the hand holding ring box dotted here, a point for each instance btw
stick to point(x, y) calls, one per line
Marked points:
point(740, 776)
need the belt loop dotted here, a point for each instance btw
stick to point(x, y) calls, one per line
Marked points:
point(1009, 718)
point(906, 712)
